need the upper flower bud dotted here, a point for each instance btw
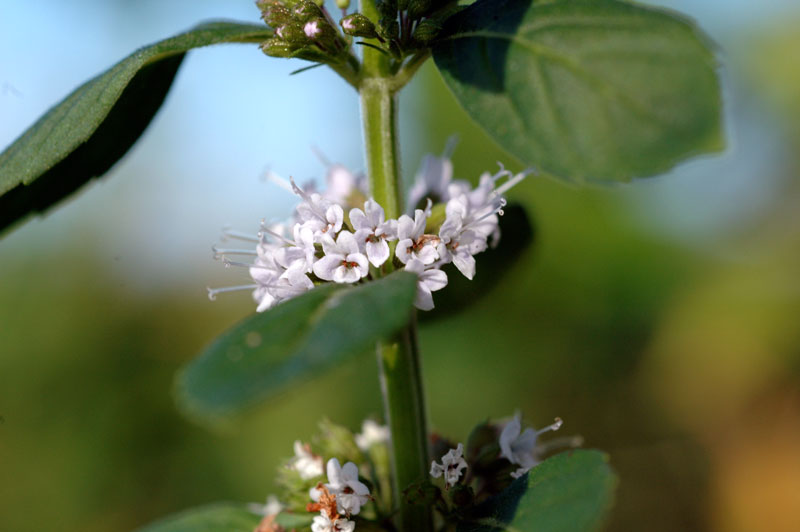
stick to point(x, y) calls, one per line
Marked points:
point(358, 25)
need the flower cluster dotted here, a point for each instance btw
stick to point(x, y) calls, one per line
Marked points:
point(343, 236)
point(351, 487)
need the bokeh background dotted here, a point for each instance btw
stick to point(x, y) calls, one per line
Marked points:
point(659, 319)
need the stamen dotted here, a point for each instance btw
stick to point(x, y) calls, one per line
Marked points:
point(450, 147)
point(220, 252)
point(300, 192)
point(212, 292)
point(278, 236)
point(278, 180)
point(495, 209)
point(512, 182)
point(230, 233)
point(554, 427)
point(228, 263)
point(321, 156)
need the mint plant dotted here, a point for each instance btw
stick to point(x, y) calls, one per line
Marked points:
point(577, 90)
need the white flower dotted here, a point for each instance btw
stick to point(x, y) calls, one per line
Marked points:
point(342, 184)
point(317, 213)
point(343, 261)
point(373, 231)
point(413, 242)
point(308, 464)
point(372, 434)
point(451, 467)
point(432, 179)
point(351, 494)
point(429, 281)
point(323, 523)
point(272, 507)
point(520, 449)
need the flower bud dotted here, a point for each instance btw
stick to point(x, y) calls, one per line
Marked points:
point(402, 5)
point(427, 30)
point(307, 10)
point(292, 33)
point(419, 8)
point(358, 25)
point(274, 13)
point(320, 31)
point(276, 48)
point(388, 28)
point(387, 8)
point(342, 4)
point(462, 495)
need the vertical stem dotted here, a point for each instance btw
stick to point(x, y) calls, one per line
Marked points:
point(398, 360)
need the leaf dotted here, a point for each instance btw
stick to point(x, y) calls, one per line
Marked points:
point(267, 352)
point(570, 492)
point(219, 517)
point(517, 235)
point(596, 90)
point(91, 129)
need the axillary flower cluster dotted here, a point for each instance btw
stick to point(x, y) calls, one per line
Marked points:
point(342, 481)
point(342, 235)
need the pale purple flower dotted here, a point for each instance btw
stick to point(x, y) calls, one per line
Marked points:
point(343, 261)
point(306, 463)
point(453, 464)
point(428, 281)
point(323, 523)
point(373, 231)
point(413, 243)
point(520, 448)
point(351, 493)
point(372, 434)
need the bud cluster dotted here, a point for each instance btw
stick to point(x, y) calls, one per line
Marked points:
point(303, 29)
point(403, 26)
point(343, 236)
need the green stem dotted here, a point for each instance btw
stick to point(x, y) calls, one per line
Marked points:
point(398, 360)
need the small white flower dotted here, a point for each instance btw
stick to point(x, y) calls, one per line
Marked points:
point(452, 465)
point(373, 231)
point(343, 261)
point(413, 242)
point(342, 184)
point(272, 507)
point(323, 523)
point(432, 179)
point(520, 449)
point(429, 281)
point(372, 434)
point(311, 29)
point(351, 494)
point(308, 464)
point(317, 213)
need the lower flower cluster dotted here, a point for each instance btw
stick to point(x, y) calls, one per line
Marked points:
point(331, 497)
point(343, 236)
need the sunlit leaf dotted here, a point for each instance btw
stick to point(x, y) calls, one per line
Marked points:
point(570, 492)
point(300, 338)
point(86, 133)
point(584, 89)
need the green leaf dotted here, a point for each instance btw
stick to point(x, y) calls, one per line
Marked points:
point(267, 352)
point(85, 134)
point(570, 492)
point(220, 517)
point(596, 90)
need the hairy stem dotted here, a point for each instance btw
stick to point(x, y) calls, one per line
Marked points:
point(398, 359)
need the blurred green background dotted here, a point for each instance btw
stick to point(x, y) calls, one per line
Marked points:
point(660, 319)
